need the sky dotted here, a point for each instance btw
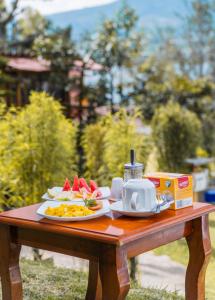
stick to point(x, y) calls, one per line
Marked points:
point(53, 6)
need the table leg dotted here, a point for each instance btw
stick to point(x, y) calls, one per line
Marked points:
point(200, 249)
point(114, 274)
point(94, 289)
point(9, 266)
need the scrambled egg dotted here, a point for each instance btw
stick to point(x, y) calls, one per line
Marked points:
point(65, 210)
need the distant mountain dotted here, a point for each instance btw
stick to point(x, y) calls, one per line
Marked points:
point(152, 13)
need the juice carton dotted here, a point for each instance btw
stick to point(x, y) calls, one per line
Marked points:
point(177, 187)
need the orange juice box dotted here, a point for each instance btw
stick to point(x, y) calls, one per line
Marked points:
point(177, 187)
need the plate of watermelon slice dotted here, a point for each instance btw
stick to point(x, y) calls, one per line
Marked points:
point(79, 190)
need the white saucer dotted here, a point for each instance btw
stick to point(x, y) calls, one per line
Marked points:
point(118, 207)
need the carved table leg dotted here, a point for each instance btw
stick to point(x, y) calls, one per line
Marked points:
point(9, 266)
point(114, 274)
point(200, 249)
point(94, 289)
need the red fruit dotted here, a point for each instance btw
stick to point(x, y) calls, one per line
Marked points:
point(83, 184)
point(75, 186)
point(99, 194)
point(93, 186)
point(66, 186)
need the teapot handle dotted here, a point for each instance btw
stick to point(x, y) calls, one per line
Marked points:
point(134, 198)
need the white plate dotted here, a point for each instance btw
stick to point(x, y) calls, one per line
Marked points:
point(118, 207)
point(98, 213)
point(104, 190)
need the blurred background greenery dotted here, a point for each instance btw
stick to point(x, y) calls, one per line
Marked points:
point(75, 102)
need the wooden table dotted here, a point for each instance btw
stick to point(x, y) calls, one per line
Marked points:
point(107, 243)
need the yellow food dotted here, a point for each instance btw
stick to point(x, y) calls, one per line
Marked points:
point(66, 210)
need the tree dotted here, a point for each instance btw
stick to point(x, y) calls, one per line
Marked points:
point(5, 79)
point(58, 48)
point(30, 25)
point(92, 81)
point(157, 82)
point(208, 127)
point(191, 48)
point(107, 145)
point(93, 146)
point(118, 45)
point(6, 16)
point(37, 150)
point(177, 133)
point(199, 38)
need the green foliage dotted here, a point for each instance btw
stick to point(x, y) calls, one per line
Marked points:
point(30, 24)
point(37, 150)
point(177, 133)
point(7, 15)
point(7, 149)
point(209, 131)
point(5, 79)
point(121, 136)
point(157, 82)
point(125, 42)
point(191, 50)
point(200, 152)
point(93, 145)
point(107, 146)
point(117, 46)
point(199, 38)
point(57, 47)
point(182, 67)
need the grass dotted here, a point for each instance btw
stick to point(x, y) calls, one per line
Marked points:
point(178, 251)
point(43, 281)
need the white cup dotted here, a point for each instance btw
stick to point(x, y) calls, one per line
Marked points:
point(117, 188)
point(139, 194)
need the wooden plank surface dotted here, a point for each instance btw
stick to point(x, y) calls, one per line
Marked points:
point(115, 228)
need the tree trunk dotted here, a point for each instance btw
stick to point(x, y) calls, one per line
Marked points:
point(81, 125)
point(111, 93)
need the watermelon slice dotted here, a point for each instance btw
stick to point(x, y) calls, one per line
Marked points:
point(93, 186)
point(83, 184)
point(75, 186)
point(66, 186)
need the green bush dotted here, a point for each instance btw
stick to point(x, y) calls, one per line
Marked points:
point(209, 131)
point(121, 136)
point(37, 150)
point(94, 146)
point(177, 133)
point(107, 146)
point(5, 79)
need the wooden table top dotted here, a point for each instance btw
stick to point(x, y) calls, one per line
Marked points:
point(115, 228)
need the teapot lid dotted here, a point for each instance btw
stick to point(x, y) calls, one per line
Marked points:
point(133, 166)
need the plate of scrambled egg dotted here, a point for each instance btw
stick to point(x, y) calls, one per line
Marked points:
point(71, 211)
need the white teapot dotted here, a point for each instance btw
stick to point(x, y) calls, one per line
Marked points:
point(139, 194)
